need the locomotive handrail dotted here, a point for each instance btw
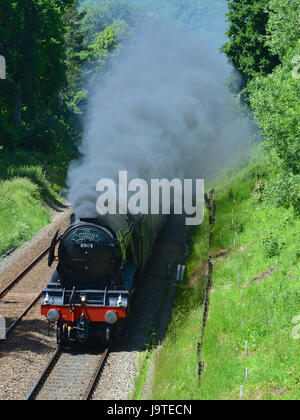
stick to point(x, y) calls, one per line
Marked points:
point(71, 299)
point(104, 298)
point(51, 256)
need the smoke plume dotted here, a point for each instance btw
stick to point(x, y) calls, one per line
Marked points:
point(163, 111)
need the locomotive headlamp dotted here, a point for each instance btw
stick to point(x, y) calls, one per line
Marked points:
point(111, 317)
point(53, 315)
point(83, 298)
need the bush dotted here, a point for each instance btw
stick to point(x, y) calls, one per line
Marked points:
point(284, 26)
point(258, 192)
point(272, 246)
point(275, 102)
point(283, 190)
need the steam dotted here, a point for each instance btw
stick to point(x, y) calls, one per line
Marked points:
point(163, 112)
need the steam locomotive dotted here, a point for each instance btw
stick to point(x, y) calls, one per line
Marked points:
point(100, 262)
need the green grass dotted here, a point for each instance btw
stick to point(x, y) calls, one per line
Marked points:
point(36, 166)
point(176, 363)
point(22, 212)
point(25, 198)
point(29, 185)
point(268, 242)
point(144, 361)
point(48, 192)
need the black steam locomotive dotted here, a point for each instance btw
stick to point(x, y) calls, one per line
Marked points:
point(99, 264)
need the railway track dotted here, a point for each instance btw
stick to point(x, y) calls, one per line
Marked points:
point(26, 270)
point(13, 325)
point(20, 295)
point(69, 375)
point(15, 282)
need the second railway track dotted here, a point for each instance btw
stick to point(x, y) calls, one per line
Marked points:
point(20, 295)
point(21, 275)
point(23, 288)
point(69, 375)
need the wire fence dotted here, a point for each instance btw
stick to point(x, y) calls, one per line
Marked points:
point(212, 208)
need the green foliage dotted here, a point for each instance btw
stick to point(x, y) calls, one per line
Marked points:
point(37, 176)
point(73, 40)
point(106, 47)
point(258, 192)
point(260, 32)
point(272, 246)
point(111, 37)
point(246, 47)
point(197, 14)
point(33, 114)
point(22, 213)
point(284, 26)
point(283, 190)
point(275, 103)
point(32, 41)
point(101, 14)
point(102, 29)
point(266, 265)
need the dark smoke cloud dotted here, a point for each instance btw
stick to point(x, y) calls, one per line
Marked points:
point(164, 111)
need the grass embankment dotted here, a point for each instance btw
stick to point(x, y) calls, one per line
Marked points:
point(255, 297)
point(24, 198)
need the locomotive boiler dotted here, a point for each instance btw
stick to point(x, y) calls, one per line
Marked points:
point(100, 262)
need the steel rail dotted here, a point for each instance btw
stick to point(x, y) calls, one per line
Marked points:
point(7, 253)
point(19, 319)
point(29, 267)
point(94, 380)
point(44, 375)
point(35, 390)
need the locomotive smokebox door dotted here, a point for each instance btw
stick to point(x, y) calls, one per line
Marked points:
point(51, 256)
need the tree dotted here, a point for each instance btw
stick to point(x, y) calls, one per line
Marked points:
point(106, 48)
point(31, 102)
point(101, 14)
point(275, 103)
point(246, 47)
point(74, 54)
point(283, 28)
